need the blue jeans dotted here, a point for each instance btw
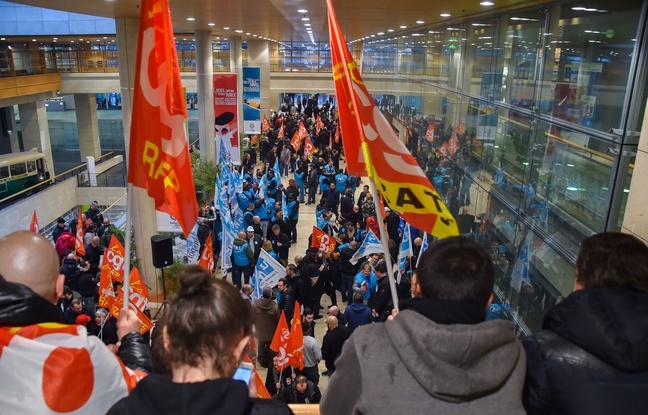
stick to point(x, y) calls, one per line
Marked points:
point(283, 168)
point(347, 288)
point(246, 270)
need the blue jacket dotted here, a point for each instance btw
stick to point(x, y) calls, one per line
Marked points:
point(299, 178)
point(372, 283)
point(357, 315)
point(341, 182)
point(323, 186)
point(242, 254)
point(292, 208)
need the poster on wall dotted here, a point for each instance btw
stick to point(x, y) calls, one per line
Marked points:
point(226, 114)
point(252, 100)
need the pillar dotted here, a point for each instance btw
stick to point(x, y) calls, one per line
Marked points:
point(87, 125)
point(205, 86)
point(259, 55)
point(142, 206)
point(35, 130)
point(236, 66)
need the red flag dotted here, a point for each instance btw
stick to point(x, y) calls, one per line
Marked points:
point(207, 258)
point(158, 158)
point(113, 260)
point(296, 340)
point(454, 144)
point(118, 305)
point(280, 342)
point(106, 291)
point(385, 158)
point(79, 249)
point(309, 148)
point(429, 135)
point(460, 128)
point(299, 136)
point(265, 124)
point(319, 125)
point(262, 391)
point(337, 133)
point(281, 133)
point(138, 293)
point(33, 226)
point(323, 241)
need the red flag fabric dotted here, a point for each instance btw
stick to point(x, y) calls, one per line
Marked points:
point(262, 391)
point(309, 147)
point(281, 133)
point(106, 291)
point(279, 342)
point(118, 305)
point(454, 144)
point(113, 260)
point(319, 125)
point(323, 241)
point(265, 124)
point(429, 135)
point(207, 258)
point(296, 340)
point(158, 158)
point(33, 226)
point(459, 129)
point(79, 249)
point(337, 133)
point(299, 136)
point(373, 149)
point(138, 291)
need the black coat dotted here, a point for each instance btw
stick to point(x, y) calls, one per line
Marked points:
point(287, 303)
point(332, 345)
point(158, 394)
point(20, 306)
point(592, 355)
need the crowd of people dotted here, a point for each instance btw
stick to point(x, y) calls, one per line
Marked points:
point(435, 352)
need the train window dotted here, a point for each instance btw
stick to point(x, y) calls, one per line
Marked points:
point(4, 172)
point(31, 166)
point(18, 169)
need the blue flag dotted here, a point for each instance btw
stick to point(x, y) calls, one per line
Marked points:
point(520, 273)
point(193, 245)
point(370, 245)
point(405, 251)
point(424, 246)
point(277, 172)
point(266, 274)
point(284, 206)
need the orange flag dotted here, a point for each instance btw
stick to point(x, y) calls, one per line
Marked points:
point(373, 149)
point(299, 136)
point(459, 129)
point(309, 148)
point(429, 135)
point(118, 305)
point(138, 291)
point(265, 124)
point(159, 154)
point(280, 342)
point(337, 133)
point(323, 241)
point(207, 258)
point(79, 249)
point(296, 340)
point(113, 260)
point(281, 133)
point(262, 391)
point(106, 290)
point(319, 125)
point(33, 226)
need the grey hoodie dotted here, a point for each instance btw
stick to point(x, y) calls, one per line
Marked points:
point(412, 365)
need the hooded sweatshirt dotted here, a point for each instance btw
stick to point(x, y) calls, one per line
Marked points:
point(435, 357)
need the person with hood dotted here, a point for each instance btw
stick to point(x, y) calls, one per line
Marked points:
point(591, 356)
point(203, 357)
point(265, 316)
point(357, 313)
point(438, 355)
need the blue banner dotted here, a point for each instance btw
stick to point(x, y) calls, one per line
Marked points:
point(266, 274)
point(252, 100)
point(370, 245)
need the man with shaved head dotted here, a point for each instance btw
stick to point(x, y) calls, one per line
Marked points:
point(34, 338)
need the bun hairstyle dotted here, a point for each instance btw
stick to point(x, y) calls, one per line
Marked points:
point(206, 321)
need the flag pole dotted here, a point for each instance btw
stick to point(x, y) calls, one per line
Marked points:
point(127, 245)
point(383, 241)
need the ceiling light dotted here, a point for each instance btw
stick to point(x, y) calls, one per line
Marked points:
point(1, 38)
point(81, 40)
point(305, 19)
point(247, 33)
point(445, 15)
point(211, 24)
point(103, 37)
point(33, 40)
point(302, 11)
point(226, 28)
point(420, 22)
point(307, 24)
point(381, 33)
point(390, 30)
point(403, 27)
point(487, 3)
point(191, 19)
point(238, 31)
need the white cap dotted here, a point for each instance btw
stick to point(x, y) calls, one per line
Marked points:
point(250, 229)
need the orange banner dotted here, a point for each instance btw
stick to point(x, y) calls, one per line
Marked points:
point(118, 305)
point(79, 249)
point(323, 241)
point(159, 154)
point(113, 260)
point(281, 133)
point(373, 149)
point(319, 125)
point(296, 340)
point(207, 258)
point(33, 226)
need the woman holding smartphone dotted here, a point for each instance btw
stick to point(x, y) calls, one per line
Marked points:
point(207, 330)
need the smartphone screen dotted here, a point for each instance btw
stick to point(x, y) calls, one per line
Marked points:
point(243, 372)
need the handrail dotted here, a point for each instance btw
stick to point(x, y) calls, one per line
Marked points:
point(113, 204)
point(80, 166)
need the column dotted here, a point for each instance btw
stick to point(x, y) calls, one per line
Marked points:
point(142, 206)
point(259, 55)
point(35, 130)
point(236, 66)
point(87, 125)
point(205, 86)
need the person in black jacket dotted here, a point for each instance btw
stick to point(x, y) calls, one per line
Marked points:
point(302, 390)
point(287, 300)
point(381, 303)
point(332, 343)
point(349, 270)
point(591, 356)
point(346, 206)
point(29, 290)
point(203, 356)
